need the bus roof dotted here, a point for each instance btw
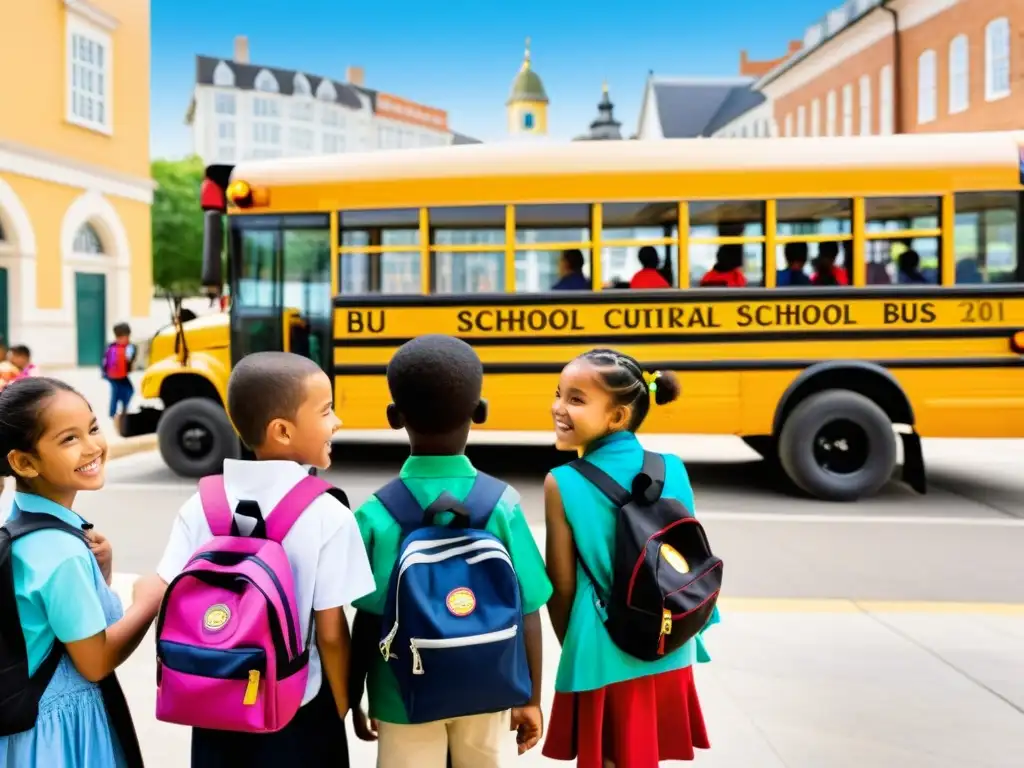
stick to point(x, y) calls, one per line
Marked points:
point(907, 152)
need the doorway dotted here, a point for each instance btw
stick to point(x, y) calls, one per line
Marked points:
point(91, 317)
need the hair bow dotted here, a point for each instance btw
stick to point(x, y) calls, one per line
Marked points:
point(652, 380)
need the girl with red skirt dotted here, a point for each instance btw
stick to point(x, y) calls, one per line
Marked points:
point(610, 709)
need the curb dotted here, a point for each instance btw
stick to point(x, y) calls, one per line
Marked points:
point(131, 445)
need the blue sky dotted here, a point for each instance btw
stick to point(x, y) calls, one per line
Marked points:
point(462, 57)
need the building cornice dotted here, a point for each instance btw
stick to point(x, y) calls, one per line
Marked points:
point(91, 13)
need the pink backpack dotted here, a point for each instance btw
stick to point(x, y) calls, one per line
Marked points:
point(229, 652)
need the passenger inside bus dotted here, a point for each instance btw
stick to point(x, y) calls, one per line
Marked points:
point(909, 263)
point(826, 271)
point(796, 263)
point(648, 276)
point(728, 269)
point(570, 271)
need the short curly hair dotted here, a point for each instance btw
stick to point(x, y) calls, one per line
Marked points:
point(265, 386)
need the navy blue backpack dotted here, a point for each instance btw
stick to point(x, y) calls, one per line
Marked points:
point(453, 622)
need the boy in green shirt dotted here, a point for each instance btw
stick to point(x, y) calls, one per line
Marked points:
point(436, 383)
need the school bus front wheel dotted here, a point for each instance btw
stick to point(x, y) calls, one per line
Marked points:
point(195, 437)
point(838, 445)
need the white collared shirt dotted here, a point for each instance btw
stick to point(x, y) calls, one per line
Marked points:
point(324, 547)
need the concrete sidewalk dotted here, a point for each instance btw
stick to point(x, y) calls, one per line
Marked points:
point(799, 684)
point(96, 389)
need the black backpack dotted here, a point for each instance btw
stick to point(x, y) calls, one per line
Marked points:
point(665, 580)
point(20, 694)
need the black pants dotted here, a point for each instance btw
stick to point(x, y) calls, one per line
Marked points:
point(315, 738)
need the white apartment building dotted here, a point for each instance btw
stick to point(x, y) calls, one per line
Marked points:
point(242, 111)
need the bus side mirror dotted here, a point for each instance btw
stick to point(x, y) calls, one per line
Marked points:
point(213, 243)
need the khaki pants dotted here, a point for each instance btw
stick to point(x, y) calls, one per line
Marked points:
point(478, 741)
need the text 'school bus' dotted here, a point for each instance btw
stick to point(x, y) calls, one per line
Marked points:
point(902, 312)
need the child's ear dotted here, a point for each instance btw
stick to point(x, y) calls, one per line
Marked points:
point(395, 418)
point(480, 412)
point(22, 464)
point(279, 431)
point(620, 417)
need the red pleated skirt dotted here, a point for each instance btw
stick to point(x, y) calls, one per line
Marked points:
point(634, 724)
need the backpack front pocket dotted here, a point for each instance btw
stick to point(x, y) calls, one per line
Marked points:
point(226, 686)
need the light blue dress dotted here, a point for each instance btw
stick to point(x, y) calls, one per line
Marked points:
point(72, 730)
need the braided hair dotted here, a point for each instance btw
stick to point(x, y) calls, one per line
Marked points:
point(625, 379)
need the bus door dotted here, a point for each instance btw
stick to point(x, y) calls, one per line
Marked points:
point(281, 286)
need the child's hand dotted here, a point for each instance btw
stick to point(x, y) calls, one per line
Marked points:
point(365, 728)
point(103, 553)
point(529, 722)
point(148, 591)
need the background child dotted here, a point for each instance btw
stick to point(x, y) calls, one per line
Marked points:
point(283, 408)
point(21, 357)
point(436, 384)
point(50, 441)
point(117, 365)
point(610, 708)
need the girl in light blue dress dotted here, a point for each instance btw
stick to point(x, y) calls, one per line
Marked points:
point(51, 443)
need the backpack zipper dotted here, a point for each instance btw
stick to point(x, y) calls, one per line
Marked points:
point(492, 550)
point(416, 643)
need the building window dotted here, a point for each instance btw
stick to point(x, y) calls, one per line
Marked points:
point(302, 109)
point(223, 76)
point(301, 140)
point(326, 91)
point(789, 124)
point(332, 117)
point(266, 82)
point(300, 85)
point(333, 143)
point(927, 89)
point(226, 130)
point(263, 107)
point(997, 59)
point(959, 84)
point(266, 133)
point(848, 109)
point(885, 115)
point(528, 121)
point(224, 103)
point(801, 121)
point(226, 153)
point(830, 114)
point(865, 106)
point(89, 76)
point(87, 240)
point(816, 117)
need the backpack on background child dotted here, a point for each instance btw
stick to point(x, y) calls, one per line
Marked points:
point(666, 581)
point(230, 655)
point(117, 360)
point(453, 623)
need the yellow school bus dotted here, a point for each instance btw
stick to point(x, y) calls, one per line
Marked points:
point(914, 330)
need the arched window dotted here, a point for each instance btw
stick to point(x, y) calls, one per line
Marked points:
point(223, 76)
point(300, 85)
point(528, 121)
point(997, 59)
point(326, 92)
point(927, 87)
point(266, 82)
point(87, 240)
point(959, 84)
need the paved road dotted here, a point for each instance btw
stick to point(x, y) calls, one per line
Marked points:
point(882, 633)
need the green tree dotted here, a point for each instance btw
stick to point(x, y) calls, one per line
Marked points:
point(177, 226)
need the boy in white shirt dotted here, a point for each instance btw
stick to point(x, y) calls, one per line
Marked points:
point(283, 408)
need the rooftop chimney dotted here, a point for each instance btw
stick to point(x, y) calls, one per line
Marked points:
point(242, 49)
point(355, 76)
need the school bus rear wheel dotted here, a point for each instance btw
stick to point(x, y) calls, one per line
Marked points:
point(838, 445)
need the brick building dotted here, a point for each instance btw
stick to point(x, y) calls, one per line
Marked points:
point(904, 66)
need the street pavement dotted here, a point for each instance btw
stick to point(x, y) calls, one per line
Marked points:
point(884, 633)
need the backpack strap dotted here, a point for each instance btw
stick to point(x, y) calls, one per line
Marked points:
point(214, 498)
point(398, 500)
point(618, 495)
point(482, 498)
point(650, 483)
point(290, 508)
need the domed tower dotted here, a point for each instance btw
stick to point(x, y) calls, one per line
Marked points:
point(527, 103)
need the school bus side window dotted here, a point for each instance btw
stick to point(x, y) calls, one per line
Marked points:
point(467, 249)
point(380, 251)
point(902, 240)
point(632, 230)
point(813, 242)
point(727, 243)
point(544, 234)
point(987, 238)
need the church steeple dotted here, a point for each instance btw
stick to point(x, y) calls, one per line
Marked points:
point(527, 103)
point(605, 126)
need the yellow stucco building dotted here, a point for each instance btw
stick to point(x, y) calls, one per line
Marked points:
point(75, 187)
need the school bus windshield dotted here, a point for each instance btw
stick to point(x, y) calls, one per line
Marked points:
point(813, 297)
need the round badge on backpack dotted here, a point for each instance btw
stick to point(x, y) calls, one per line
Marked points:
point(671, 556)
point(461, 602)
point(216, 617)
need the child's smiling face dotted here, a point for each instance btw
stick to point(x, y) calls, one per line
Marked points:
point(584, 410)
point(71, 453)
point(315, 423)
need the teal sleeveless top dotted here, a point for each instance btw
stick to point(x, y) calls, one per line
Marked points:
point(590, 660)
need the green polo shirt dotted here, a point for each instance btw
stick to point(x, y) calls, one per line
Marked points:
point(426, 477)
